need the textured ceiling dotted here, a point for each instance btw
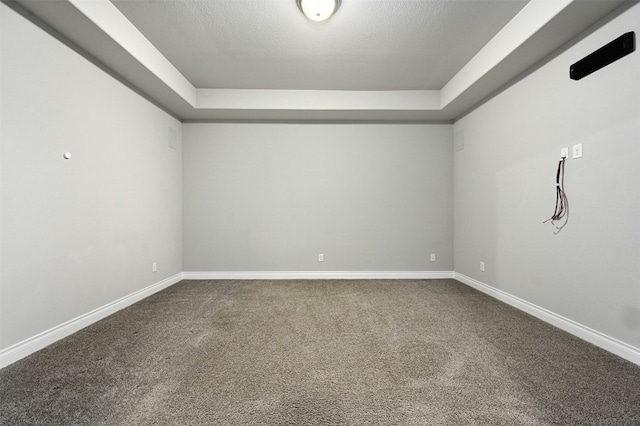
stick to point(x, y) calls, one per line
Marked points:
point(366, 45)
point(375, 60)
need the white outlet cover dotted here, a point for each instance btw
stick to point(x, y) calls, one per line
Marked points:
point(577, 150)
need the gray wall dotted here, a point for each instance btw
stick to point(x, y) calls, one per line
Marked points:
point(505, 187)
point(271, 197)
point(78, 234)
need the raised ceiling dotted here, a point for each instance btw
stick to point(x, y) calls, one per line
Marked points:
point(366, 45)
point(413, 60)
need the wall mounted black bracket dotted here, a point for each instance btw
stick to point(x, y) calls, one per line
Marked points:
point(604, 56)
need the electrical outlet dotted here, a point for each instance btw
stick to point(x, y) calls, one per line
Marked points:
point(482, 266)
point(577, 150)
point(321, 257)
point(154, 267)
point(433, 257)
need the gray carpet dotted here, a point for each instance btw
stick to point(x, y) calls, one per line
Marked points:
point(383, 352)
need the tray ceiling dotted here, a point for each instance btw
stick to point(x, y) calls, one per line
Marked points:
point(374, 60)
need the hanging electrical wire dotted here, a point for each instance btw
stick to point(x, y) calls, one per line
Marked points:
point(561, 197)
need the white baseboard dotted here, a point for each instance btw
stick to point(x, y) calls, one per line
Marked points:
point(601, 340)
point(33, 344)
point(40, 341)
point(316, 275)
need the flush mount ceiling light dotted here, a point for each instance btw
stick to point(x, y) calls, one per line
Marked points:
point(318, 10)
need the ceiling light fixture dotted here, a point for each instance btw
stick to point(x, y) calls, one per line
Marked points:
point(318, 10)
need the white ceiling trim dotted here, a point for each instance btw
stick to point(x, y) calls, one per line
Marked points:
point(113, 23)
point(319, 100)
point(540, 28)
point(529, 21)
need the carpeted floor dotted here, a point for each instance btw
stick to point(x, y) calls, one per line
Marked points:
point(383, 352)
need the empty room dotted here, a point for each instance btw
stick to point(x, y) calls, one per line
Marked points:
point(331, 212)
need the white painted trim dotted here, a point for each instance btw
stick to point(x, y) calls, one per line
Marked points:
point(527, 23)
point(333, 100)
point(40, 341)
point(615, 346)
point(33, 344)
point(108, 18)
point(316, 275)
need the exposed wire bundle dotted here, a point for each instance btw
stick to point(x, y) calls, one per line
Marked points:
point(561, 198)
